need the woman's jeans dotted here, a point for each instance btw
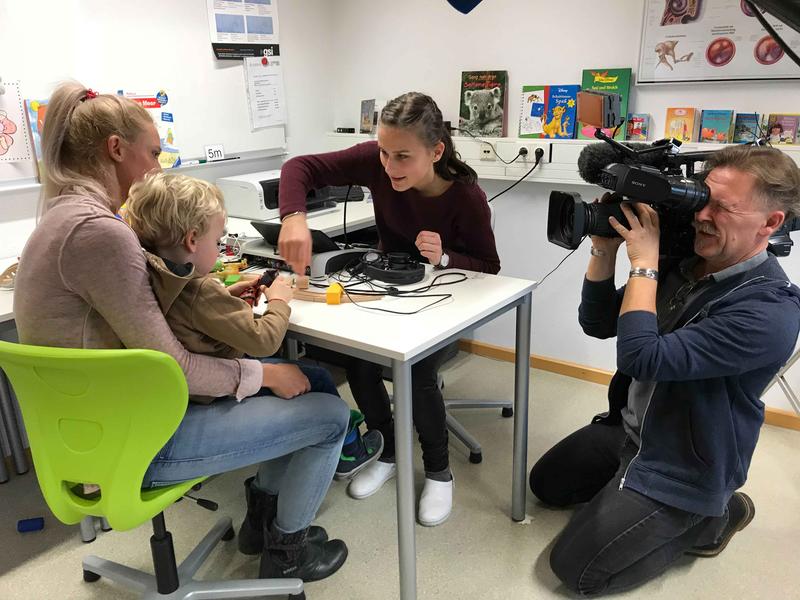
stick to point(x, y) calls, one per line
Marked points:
point(297, 443)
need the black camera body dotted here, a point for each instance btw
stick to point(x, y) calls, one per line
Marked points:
point(662, 184)
point(675, 197)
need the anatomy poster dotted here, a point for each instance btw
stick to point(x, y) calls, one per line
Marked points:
point(711, 40)
point(15, 145)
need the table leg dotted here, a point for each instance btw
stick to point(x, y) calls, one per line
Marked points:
point(521, 380)
point(403, 429)
point(12, 429)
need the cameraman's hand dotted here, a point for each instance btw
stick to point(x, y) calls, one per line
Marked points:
point(284, 379)
point(279, 290)
point(606, 244)
point(641, 240)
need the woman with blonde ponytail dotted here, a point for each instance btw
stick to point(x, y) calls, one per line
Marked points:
point(83, 283)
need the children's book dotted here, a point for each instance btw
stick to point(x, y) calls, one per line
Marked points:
point(716, 126)
point(612, 81)
point(554, 107)
point(637, 127)
point(162, 112)
point(483, 103)
point(782, 128)
point(368, 119)
point(746, 128)
point(681, 124)
point(35, 111)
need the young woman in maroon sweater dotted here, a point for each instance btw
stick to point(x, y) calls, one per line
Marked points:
point(427, 203)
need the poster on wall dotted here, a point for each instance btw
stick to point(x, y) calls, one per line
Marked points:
point(162, 110)
point(243, 28)
point(16, 159)
point(711, 40)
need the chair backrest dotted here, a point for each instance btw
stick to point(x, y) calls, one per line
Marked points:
point(97, 416)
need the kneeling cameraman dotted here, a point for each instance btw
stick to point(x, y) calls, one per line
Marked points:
point(698, 340)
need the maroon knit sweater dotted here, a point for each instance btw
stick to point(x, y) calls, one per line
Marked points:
point(460, 215)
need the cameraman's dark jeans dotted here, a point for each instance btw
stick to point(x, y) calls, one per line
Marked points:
point(621, 538)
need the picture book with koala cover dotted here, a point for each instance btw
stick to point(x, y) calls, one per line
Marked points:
point(484, 102)
point(548, 111)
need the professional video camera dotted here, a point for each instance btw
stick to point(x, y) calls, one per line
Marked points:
point(655, 174)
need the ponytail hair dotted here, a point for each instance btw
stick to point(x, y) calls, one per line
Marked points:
point(77, 124)
point(417, 111)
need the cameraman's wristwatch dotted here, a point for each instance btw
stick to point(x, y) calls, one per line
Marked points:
point(444, 261)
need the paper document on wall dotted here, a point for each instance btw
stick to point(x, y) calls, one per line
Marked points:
point(243, 28)
point(265, 93)
point(15, 144)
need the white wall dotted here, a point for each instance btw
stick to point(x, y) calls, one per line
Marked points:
point(76, 39)
point(425, 44)
point(337, 53)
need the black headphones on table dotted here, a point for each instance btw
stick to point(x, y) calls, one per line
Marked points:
point(397, 268)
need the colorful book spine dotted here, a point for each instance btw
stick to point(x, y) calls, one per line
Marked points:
point(612, 81)
point(637, 127)
point(746, 129)
point(782, 128)
point(716, 126)
point(35, 111)
point(681, 124)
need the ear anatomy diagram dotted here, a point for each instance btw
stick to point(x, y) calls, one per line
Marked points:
point(666, 51)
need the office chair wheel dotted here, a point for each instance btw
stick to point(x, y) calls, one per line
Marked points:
point(229, 535)
point(90, 577)
point(508, 412)
point(475, 457)
point(300, 596)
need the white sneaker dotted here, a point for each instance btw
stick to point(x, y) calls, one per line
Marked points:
point(370, 480)
point(436, 502)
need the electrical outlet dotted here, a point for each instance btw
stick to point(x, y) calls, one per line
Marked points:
point(531, 148)
point(486, 152)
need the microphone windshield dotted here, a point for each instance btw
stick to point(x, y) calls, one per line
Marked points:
point(595, 157)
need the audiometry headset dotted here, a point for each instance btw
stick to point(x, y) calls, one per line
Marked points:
point(397, 268)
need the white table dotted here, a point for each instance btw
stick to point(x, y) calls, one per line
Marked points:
point(400, 341)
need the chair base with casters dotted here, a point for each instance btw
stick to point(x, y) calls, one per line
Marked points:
point(100, 417)
point(460, 432)
point(89, 528)
point(172, 581)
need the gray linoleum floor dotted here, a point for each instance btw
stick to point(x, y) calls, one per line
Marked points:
point(479, 553)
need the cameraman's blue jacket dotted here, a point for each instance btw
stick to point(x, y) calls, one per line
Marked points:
point(701, 426)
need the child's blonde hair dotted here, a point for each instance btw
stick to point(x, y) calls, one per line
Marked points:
point(162, 208)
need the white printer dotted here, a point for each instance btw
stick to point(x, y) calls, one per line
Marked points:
point(252, 195)
point(255, 195)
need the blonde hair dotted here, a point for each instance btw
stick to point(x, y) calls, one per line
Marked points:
point(163, 208)
point(77, 124)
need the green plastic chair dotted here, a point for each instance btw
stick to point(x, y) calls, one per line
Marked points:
point(101, 416)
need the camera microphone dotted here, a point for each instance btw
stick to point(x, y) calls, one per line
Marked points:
point(595, 157)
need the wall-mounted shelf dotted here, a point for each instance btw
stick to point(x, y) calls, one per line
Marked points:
point(559, 164)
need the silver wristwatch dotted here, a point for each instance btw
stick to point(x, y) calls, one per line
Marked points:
point(444, 261)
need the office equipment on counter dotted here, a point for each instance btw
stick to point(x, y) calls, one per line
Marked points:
point(255, 195)
point(326, 255)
